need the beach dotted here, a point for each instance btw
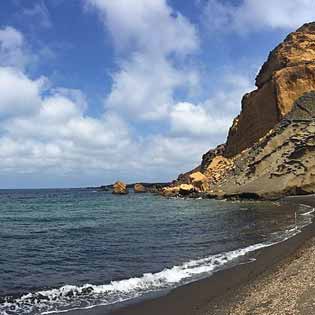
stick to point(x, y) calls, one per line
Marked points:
point(281, 280)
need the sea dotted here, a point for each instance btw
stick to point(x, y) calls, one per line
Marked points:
point(67, 249)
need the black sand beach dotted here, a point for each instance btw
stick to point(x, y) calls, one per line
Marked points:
point(220, 293)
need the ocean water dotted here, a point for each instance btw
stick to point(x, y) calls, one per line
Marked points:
point(76, 248)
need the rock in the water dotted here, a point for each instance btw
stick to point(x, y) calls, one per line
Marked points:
point(139, 188)
point(120, 188)
point(288, 73)
point(170, 191)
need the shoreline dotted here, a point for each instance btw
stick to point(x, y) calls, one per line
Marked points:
point(215, 294)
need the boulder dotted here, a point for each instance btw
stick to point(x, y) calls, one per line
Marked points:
point(139, 188)
point(170, 191)
point(186, 189)
point(120, 188)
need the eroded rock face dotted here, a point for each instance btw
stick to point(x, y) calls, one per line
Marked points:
point(218, 168)
point(270, 149)
point(297, 48)
point(199, 181)
point(288, 73)
point(139, 188)
point(282, 162)
point(120, 188)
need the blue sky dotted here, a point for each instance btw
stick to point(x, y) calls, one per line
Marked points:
point(93, 91)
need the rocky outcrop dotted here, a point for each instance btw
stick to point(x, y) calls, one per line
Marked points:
point(270, 149)
point(199, 181)
point(288, 73)
point(185, 189)
point(139, 188)
point(120, 188)
point(281, 163)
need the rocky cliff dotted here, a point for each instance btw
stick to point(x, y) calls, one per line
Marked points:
point(270, 148)
point(288, 73)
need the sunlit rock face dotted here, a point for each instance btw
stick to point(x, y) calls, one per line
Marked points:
point(120, 188)
point(288, 73)
point(270, 149)
point(282, 162)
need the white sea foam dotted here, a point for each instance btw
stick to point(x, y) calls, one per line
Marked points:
point(70, 297)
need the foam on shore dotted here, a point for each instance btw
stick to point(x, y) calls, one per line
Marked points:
point(70, 297)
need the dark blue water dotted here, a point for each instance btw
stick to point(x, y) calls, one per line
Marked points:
point(62, 249)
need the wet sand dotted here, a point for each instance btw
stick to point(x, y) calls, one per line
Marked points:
point(280, 281)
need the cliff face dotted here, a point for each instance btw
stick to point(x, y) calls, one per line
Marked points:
point(270, 149)
point(281, 163)
point(288, 73)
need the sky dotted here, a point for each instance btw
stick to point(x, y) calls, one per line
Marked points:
point(92, 91)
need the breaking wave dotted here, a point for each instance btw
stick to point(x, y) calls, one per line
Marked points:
point(70, 297)
point(73, 297)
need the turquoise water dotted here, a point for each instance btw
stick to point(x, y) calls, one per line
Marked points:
point(63, 249)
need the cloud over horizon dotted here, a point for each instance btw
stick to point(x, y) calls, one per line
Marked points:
point(157, 117)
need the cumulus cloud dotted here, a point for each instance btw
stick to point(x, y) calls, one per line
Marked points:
point(55, 132)
point(144, 87)
point(252, 15)
point(12, 48)
point(46, 129)
point(18, 94)
point(187, 118)
point(151, 41)
point(147, 25)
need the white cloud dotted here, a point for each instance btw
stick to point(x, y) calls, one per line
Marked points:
point(147, 25)
point(144, 87)
point(60, 139)
point(211, 118)
point(55, 133)
point(253, 15)
point(152, 41)
point(190, 119)
point(12, 51)
point(46, 130)
point(18, 94)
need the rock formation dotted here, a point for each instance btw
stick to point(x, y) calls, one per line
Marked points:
point(288, 73)
point(120, 188)
point(199, 181)
point(281, 163)
point(270, 148)
point(139, 188)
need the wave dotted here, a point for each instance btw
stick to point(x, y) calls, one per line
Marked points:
point(71, 297)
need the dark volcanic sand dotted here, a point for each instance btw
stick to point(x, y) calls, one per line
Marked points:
point(280, 281)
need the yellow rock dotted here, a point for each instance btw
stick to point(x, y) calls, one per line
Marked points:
point(199, 181)
point(120, 188)
point(185, 189)
point(139, 188)
point(288, 73)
